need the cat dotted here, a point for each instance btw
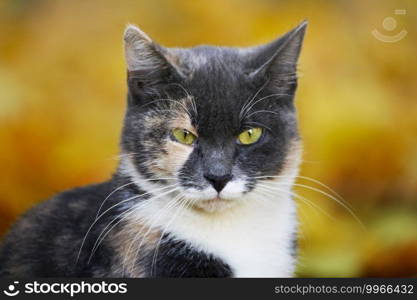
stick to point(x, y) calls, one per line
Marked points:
point(209, 152)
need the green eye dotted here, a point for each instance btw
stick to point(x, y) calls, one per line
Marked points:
point(183, 136)
point(250, 136)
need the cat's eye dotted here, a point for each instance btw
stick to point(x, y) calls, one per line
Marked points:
point(250, 136)
point(183, 136)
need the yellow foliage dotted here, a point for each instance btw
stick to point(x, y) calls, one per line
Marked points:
point(62, 99)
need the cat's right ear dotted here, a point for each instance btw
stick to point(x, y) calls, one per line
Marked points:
point(148, 64)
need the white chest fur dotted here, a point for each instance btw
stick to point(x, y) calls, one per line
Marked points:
point(254, 238)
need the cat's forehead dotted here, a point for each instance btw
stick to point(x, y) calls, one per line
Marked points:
point(215, 57)
point(218, 83)
point(216, 72)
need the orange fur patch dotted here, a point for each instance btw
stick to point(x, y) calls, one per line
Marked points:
point(176, 153)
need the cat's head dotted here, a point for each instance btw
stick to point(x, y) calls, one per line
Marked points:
point(211, 124)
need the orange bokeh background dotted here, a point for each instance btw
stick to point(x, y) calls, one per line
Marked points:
point(62, 100)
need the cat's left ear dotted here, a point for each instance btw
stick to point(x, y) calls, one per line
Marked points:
point(277, 61)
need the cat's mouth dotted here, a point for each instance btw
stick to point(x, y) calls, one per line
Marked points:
point(215, 199)
point(213, 204)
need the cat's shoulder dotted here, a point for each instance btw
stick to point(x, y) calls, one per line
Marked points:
point(47, 227)
point(70, 206)
point(79, 198)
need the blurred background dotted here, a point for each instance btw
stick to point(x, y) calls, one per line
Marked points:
point(62, 100)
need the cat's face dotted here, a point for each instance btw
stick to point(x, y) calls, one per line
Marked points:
point(212, 123)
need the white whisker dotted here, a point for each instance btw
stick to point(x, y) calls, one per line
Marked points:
point(351, 212)
point(310, 179)
point(132, 209)
point(117, 204)
point(248, 102)
point(259, 100)
point(152, 220)
point(336, 200)
point(305, 200)
point(181, 206)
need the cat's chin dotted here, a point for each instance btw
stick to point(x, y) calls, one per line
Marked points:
point(213, 205)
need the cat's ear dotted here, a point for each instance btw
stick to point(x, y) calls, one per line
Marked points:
point(148, 63)
point(277, 61)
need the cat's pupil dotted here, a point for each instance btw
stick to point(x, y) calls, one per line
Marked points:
point(250, 132)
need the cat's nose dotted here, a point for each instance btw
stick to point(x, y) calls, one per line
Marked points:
point(218, 182)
